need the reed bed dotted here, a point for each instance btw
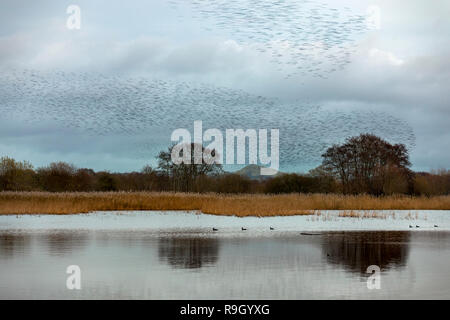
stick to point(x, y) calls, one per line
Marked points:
point(367, 214)
point(217, 204)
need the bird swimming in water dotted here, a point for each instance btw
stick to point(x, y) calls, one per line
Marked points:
point(214, 229)
point(243, 229)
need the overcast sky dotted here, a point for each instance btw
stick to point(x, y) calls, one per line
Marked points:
point(401, 68)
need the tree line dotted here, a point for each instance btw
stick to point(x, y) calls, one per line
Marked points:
point(363, 164)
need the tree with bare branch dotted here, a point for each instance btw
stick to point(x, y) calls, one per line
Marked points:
point(368, 164)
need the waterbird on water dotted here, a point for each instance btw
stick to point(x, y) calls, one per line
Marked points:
point(417, 226)
point(243, 229)
point(214, 229)
point(435, 225)
point(272, 228)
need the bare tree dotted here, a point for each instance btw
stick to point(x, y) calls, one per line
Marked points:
point(367, 163)
point(57, 177)
point(15, 175)
point(184, 175)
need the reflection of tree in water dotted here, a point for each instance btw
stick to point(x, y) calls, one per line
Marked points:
point(188, 253)
point(358, 250)
point(61, 243)
point(13, 244)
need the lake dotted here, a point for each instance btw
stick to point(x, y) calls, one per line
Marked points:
point(177, 255)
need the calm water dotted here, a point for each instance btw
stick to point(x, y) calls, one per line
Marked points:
point(197, 264)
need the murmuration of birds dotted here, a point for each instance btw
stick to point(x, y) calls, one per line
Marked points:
point(299, 37)
point(104, 105)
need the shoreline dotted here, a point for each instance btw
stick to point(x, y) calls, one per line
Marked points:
point(190, 223)
point(240, 205)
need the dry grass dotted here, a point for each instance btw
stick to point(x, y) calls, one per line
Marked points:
point(368, 214)
point(239, 205)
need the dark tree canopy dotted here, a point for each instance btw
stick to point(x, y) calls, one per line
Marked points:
point(367, 163)
point(15, 175)
point(363, 164)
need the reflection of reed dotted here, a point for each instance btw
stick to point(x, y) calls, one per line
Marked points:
point(188, 253)
point(62, 243)
point(13, 244)
point(358, 250)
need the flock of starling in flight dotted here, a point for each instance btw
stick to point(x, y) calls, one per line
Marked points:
point(112, 105)
point(304, 36)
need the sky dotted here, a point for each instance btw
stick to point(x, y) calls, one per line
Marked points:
point(397, 67)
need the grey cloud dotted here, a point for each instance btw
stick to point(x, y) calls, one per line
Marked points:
point(417, 91)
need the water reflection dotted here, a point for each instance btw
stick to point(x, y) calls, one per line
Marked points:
point(284, 265)
point(13, 244)
point(357, 250)
point(62, 243)
point(188, 253)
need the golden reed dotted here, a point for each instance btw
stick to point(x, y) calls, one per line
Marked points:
point(218, 204)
